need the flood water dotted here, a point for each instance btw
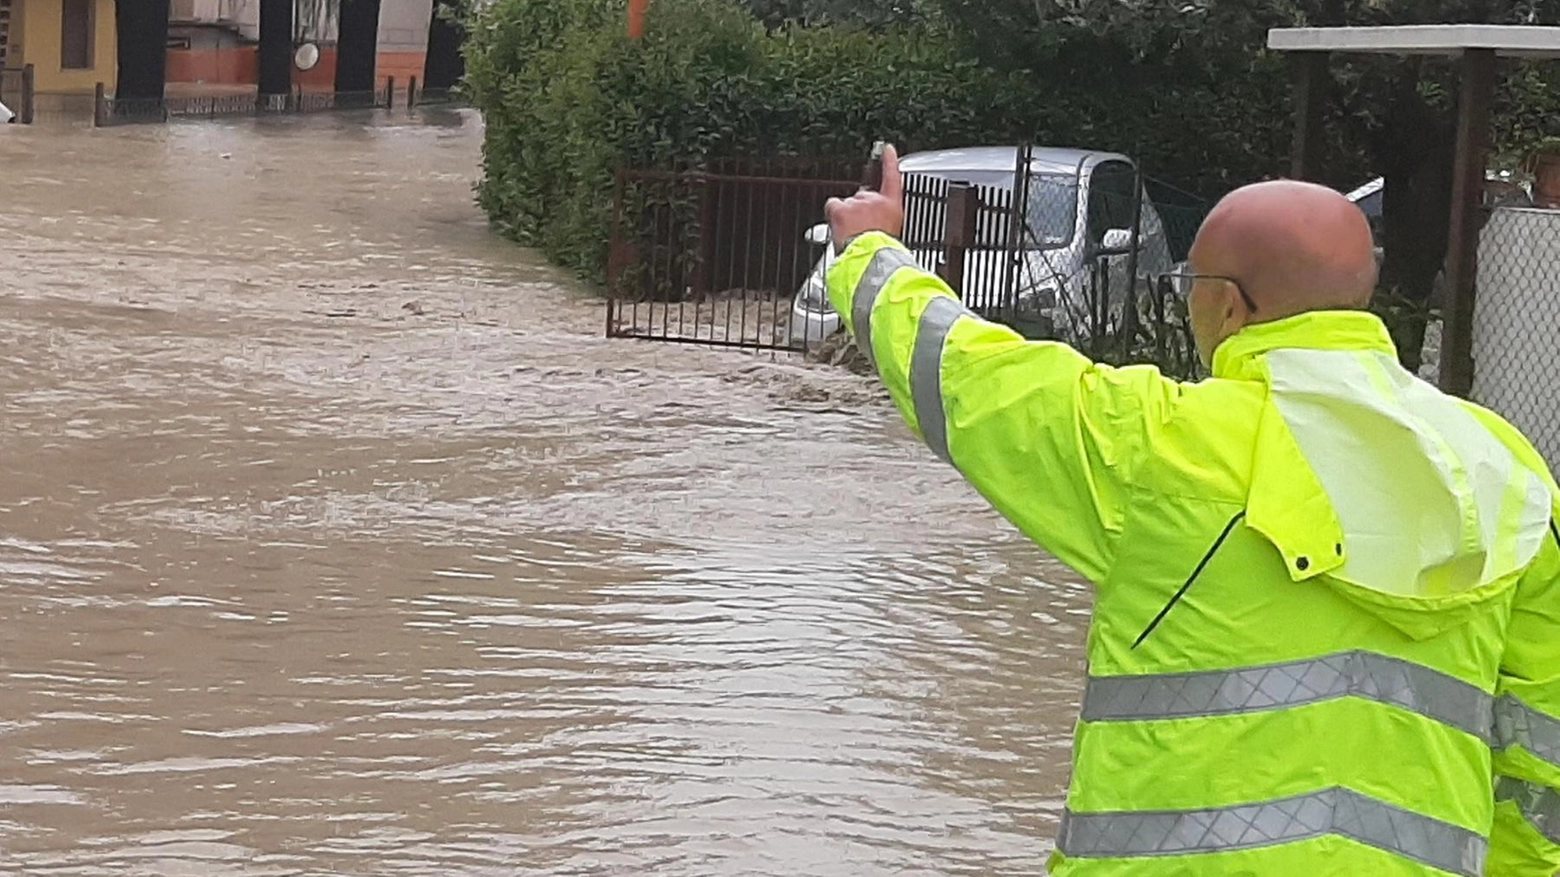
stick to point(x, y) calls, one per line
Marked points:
point(335, 540)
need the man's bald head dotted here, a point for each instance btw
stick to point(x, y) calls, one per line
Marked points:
point(1292, 247)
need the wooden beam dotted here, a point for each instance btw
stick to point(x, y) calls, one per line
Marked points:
point(1309, 71)
point(1473, 135)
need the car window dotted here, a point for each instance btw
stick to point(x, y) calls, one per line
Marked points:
point(1113, 192)
point(1053, 210)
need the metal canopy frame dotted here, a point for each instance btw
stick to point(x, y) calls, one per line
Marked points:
point(1476, 47)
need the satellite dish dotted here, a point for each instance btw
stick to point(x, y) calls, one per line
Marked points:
point(307, 56)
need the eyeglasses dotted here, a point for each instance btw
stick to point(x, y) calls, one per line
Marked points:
point(1183, 283)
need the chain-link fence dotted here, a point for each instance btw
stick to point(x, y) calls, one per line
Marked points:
point(1105, 245)
point(1516, 323)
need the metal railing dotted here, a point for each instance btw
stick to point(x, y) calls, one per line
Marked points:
point(715, 254)
point(734, 254)
point(19, 93)
point(417, 96)
point(109, 110)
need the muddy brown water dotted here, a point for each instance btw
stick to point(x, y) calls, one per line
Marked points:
point(334, 540)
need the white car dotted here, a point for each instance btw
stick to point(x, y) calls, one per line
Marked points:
point(1079, 213)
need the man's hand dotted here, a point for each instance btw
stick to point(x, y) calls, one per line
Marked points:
point(866, 211)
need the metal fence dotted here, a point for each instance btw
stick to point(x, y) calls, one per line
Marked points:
point(735, 254)
point(109, 110)
point(1516, 323)
point(17, 92)
point(966, 234)
point(417, 96)
point(715, 254)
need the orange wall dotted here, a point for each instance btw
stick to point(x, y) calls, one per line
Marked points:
point(241, 66)
point(402, 65)
point(235, 66)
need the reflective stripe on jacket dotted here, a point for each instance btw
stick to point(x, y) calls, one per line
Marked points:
point(1326, 636)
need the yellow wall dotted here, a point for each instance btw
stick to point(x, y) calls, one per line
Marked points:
point(35, 40)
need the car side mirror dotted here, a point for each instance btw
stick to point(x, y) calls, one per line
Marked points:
point(1116, 242)
point(818, 234)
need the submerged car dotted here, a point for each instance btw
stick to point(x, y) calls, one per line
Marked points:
point(1079, 227)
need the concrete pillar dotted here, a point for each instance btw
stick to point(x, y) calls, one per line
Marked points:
point(276, 47)
point(141, 28)
point(357, 48)
point(444, 66)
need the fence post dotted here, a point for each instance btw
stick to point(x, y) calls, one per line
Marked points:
point(616, 254)
point(390, 93)
point(1129, 310)
point(963, 208)
point(411, 95)
point(100, 106)
point(29, 93)
point(1478, 67)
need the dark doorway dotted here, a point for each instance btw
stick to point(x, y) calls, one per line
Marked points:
point(141, 30)
point(445, 65)
point(276, 45)
point(357, 49)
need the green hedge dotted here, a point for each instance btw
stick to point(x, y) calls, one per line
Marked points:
point(567, 96)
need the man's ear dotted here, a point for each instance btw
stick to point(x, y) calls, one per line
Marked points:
point(1233, 316)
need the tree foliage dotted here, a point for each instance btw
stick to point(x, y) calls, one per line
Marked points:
point(567, 97)
point(1185, 86)
point(1385, 116)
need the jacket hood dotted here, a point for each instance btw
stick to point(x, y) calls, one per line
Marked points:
point(1376, 483)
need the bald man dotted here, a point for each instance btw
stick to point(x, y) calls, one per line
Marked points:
point(1326, 632)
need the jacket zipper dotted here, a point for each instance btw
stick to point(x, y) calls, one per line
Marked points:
point(1185, 586)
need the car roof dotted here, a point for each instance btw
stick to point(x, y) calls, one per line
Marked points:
point(986, 160)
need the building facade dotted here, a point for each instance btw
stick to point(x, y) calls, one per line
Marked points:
point(71, 44)
point(213, 43)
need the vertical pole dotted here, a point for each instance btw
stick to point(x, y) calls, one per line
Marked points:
point(411, 95)
point(1309, 72)
point(389, 92)
point(616, 254)
point(636, 18)
point(1129, 311)
point(702, 281)
point(963, 210)
point(29, 93)
point(99, 105)
point(1473, 132)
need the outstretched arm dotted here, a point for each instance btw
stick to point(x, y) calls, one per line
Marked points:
point(1046, 435)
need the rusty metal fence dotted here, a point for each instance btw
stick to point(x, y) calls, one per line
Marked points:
point(715, 254)
point(1516, 324)
point(734, 254)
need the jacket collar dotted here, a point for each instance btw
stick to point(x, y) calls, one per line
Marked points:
point(1317, 330)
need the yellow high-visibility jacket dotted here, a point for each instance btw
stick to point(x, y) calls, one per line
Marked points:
point(1326, 637)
